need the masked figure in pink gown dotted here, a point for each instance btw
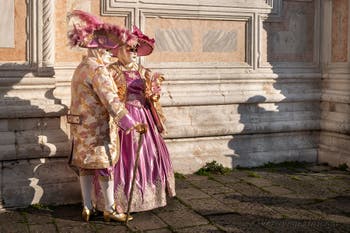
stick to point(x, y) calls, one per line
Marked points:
point(139, 90)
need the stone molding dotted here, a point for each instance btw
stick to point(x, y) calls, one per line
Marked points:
point(252, 11)
point(29, 97)
point(40, 43)
point(276, 7)
point(246, 17)
point(265, 5)
point(128, 13)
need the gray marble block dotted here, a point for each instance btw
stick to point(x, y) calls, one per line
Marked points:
point(174, 40)
point(7, 22)
point(219, 41)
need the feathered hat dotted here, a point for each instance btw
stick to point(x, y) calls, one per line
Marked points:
point(90, 32)
point(145, 45)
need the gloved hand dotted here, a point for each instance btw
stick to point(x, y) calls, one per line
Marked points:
point(141, 128)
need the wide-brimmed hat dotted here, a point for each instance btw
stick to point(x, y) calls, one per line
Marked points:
point(145, 45)
point(90, 32)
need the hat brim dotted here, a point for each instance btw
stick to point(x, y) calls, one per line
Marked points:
point(102, 41)
point(144, 48)
point(94, 45)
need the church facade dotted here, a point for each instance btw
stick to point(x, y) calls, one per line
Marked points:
point(247, 82)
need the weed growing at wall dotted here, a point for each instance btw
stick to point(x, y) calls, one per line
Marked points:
point(213, 168)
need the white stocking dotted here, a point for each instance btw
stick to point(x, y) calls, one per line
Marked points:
point(108, 194)
point(86, 187)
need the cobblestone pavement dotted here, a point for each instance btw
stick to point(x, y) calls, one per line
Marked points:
point(314, 198)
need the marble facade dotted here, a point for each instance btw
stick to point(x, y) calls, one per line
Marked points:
point(247, 82)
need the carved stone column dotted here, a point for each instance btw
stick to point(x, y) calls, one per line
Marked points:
point(48, 33)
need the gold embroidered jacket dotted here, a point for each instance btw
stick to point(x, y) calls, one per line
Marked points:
point(96, 105)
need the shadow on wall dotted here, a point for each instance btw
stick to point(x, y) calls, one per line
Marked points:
point(34, 145)
point(283, 122)
point(244, 146)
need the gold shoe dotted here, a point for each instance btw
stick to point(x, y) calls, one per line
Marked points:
point(86, 214)
point(108, 216)
point(129, 218)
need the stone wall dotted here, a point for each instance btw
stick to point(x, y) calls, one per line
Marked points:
point(243, 86)
point(335, 140)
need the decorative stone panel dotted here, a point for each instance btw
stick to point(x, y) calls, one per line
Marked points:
point(197, 41)
point(340, 30)
point(293, 37)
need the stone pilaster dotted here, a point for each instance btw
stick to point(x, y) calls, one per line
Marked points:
point(48, 43)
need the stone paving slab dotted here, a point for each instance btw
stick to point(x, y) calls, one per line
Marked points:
point(259, 182)
point(209, 206)
point(163, 230)
point(293, 225)
point(309, 199)
point(206, 184)
point(200, 229)
point(182, 218)
point(319, 168)
point(238, 223)
point(12, 216)
point(253, 208)
point(248, 189)
point(34, 216)
point(108, 228)
point(182, 184)
point(146, 221)
point(64, 225)
point(218, 190)
point(191, 193)
point(296, 213)
point(42, 228)
point(338, 206)
point(14, 228)
point(230, 178)
point(277, 190)
point(13, 222)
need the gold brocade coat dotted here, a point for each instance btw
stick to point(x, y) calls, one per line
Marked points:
point(96, 104)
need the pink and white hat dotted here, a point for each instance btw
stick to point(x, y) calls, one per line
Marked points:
point(145, 45)
point(90, 32)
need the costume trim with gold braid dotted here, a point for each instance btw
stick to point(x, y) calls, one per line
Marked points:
point(146, 74)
